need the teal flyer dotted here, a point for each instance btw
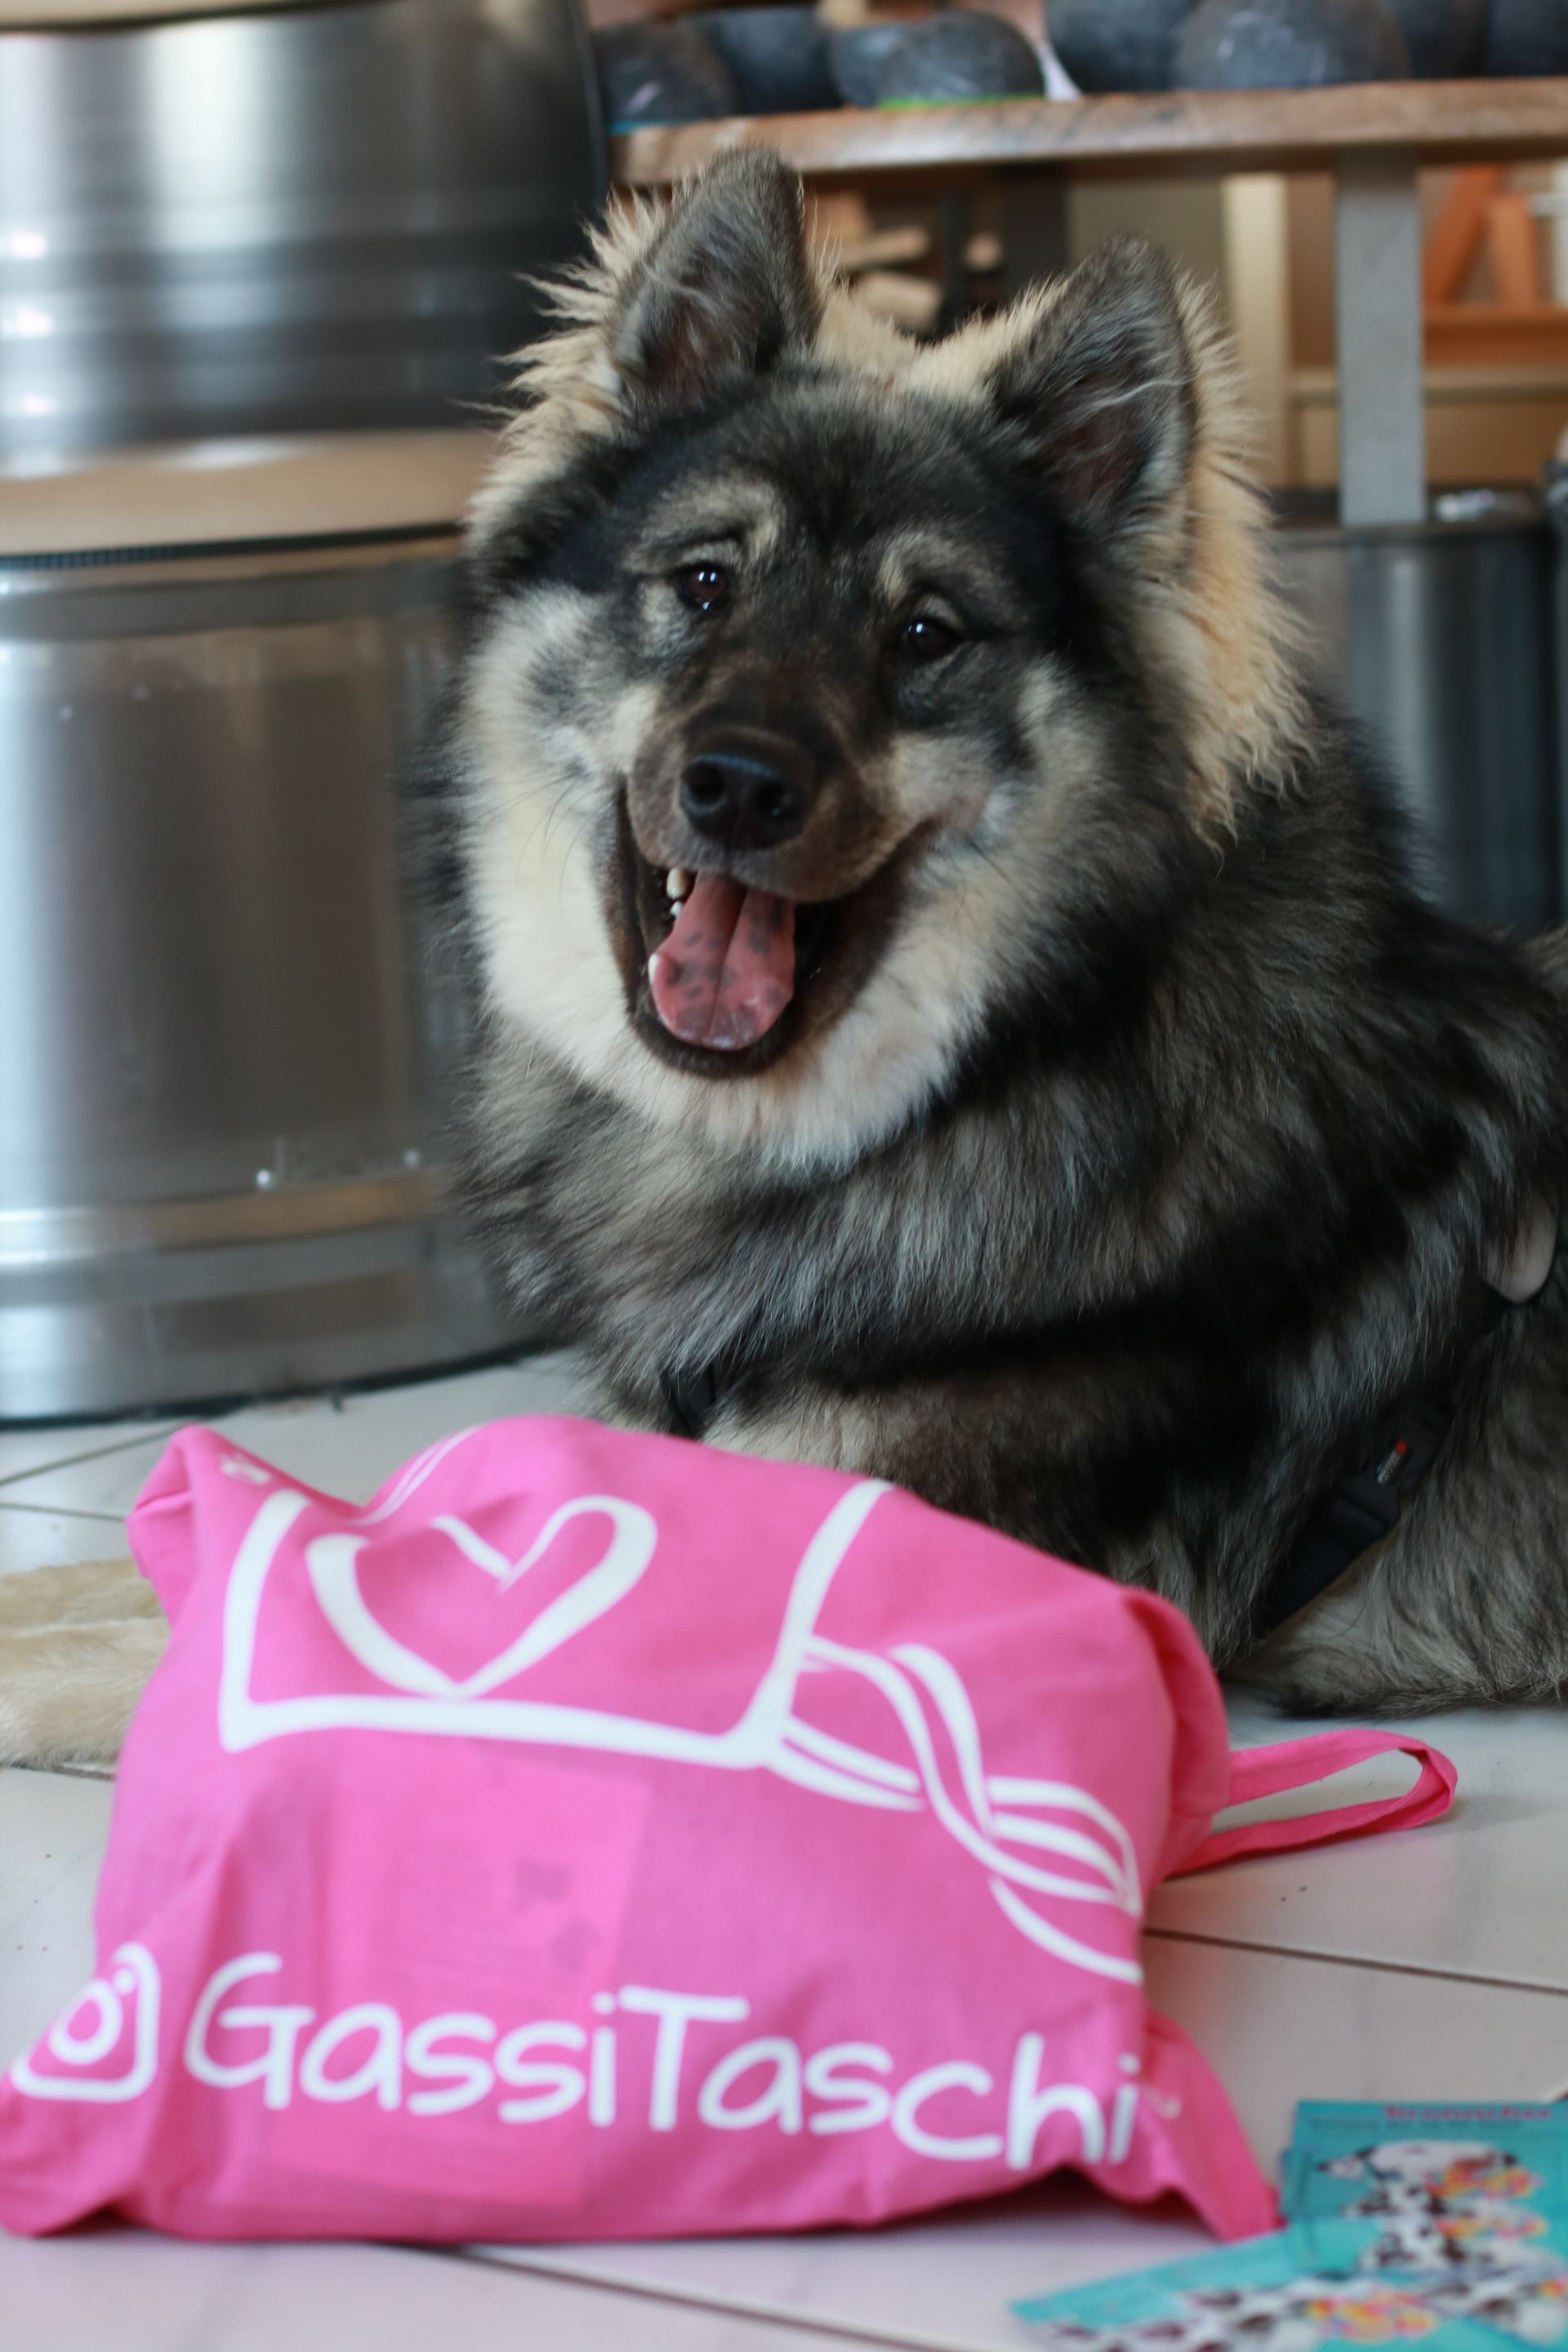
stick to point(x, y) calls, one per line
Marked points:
point(1434, 2187)
point(1270, 2295)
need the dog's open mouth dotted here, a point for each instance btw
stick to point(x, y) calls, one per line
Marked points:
point(726, 971)
point(726, 967)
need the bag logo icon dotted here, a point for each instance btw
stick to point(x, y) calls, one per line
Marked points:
point(1033, 1839)
point(128, 1996)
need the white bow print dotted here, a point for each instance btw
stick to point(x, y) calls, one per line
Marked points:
point(1014, 1827)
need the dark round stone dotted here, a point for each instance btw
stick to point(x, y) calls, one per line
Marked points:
point(962, 55)
point(1116, 43)
point(661, 73)
point(1288, 45)
point(856, 53)
point(778, 57)
point(1443, 37)
point(1525, 36)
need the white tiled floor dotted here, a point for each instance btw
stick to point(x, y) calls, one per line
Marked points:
point(23, 1451)
point(347, 1445)
point(1433, 1964)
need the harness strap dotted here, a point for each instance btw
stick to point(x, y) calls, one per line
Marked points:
point(691, 1400)
point(1368, 1505)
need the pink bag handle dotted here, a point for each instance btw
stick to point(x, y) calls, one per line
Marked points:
point(1295, 1764)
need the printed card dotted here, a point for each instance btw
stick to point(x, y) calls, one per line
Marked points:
point(1441, 2188)
point(1270, 2295)
point(1448, 2223)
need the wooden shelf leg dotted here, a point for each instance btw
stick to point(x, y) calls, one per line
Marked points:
point(1377, 275)
point(1034, 228)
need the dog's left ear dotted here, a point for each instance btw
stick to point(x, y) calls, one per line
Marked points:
point(724, 289)
point(1104, 389)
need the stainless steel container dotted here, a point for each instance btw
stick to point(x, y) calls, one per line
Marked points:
point(226, 1022)
point(290, 220)
point(1555, 493)
point(1440, 638)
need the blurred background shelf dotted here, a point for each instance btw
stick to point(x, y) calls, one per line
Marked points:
point(1199, 132)
point(1015, 168)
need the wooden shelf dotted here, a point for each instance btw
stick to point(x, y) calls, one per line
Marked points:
point(1496, 334)
point(1195, 131)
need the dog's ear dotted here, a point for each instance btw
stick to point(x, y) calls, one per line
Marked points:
point(723, 289)
point(669, 305)
point(1103, 388)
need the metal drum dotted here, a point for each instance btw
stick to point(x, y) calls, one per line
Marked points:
point(228, 1027)
point(290, 220)
point(1555, 491)
point(1440, 638)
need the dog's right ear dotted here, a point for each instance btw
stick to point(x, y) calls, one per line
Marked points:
point(723, 287)
point(672, 304)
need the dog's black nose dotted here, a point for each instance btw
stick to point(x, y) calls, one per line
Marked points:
point(749, 789)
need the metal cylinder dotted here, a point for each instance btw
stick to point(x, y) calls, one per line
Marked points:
point(225, 1019)
point(1439, 637)
point(1555, 493)
point(302, 219)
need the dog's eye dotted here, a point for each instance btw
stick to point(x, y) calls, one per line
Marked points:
point(703, 587)
point(925, 637)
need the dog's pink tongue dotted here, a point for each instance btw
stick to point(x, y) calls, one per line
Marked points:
point(727, 970)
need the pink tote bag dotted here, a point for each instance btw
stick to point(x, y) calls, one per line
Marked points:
point(603, 1836)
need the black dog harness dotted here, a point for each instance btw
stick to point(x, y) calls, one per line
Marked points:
point(1363, 1508)
point(691, 1400)
point(1368, 1505)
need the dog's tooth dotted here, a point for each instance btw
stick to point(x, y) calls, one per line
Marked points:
point(678, 882)
point(653, 966)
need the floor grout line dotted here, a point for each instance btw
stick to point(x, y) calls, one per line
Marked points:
point(149, 1436)
point(736, 2306)
point(1354, 1961)
point(59, 1511)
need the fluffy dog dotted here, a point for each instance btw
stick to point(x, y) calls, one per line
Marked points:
point(955, 1003)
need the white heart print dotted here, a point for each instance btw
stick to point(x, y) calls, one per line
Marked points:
point(331, 1562)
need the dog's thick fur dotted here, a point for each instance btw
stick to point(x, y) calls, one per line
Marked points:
point(1144, 1133)
point(1156, 1133)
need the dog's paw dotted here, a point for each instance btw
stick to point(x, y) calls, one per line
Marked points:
point(77, 1646)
